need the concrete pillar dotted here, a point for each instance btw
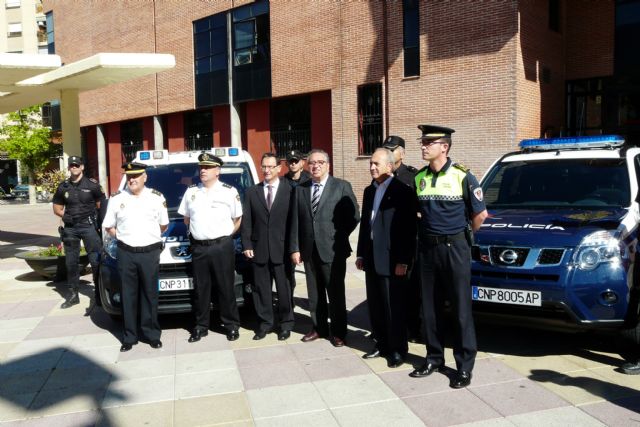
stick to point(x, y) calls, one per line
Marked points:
point(102, 158)
point(70, 115)
point(158, 137)
point(234, 115)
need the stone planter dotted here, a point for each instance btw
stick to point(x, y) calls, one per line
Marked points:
point(51, 267)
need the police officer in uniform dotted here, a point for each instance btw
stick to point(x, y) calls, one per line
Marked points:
point(75, 201)
point(404, 173)
point(137, 217)
point(296, 174)
point(450, 201)
point(213, 212)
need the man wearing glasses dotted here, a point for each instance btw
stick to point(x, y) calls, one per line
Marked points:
point(324, 213)
point(213, 212)
point(264, 230)
point(296, 174)
point(75, 201)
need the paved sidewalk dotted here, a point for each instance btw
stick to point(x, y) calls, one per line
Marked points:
point(62, 368)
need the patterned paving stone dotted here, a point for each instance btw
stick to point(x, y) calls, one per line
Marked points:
point(450, 408)
point(207, 383)
point(273, 374)
point(567, 416)
point(285, 400)
point(323, 418)
point(354, 390)
point(227, 409)
point(383, 414)
point(620, 412)
point(335, 367)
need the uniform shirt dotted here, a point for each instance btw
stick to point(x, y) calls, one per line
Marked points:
point(447, 199)
point(406, 175)
point(137, 219)
point(211, 212)
point(78, 198)
point(304, 177)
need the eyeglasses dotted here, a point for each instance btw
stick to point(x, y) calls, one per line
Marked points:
point(268, 167)
point(318, 163)
point(293, 161)
point(74, 166)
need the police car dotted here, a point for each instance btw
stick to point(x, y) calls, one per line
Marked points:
point(171, 174)
point(559, 245)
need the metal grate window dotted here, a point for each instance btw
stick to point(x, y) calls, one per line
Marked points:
point(291, 125)
point(369, 118)
point(198, 130)
point(131, 139)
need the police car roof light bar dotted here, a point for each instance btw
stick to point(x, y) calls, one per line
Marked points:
point(572, 142)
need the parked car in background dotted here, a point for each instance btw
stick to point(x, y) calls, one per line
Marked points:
point(20, 191)
point(5, 195)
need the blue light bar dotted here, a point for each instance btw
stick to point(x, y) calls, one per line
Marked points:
point(592, 141)
point(233, 151)
point(145, 155)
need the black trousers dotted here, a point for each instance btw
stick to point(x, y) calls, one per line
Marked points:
point(290, 270)
point(414, 302)
point(327, 280)
point(139, 277)
point(71, 236)
point(386, 297)
point(445, 270)
point(214, 266)
point(263, 275)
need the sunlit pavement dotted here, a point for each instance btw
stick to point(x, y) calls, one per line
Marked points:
point(61, 367)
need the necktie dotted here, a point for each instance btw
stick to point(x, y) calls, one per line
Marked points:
point(315, 199)
point(269, 196)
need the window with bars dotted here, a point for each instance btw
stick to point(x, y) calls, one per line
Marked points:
point(291, 125)
point(131, 139)
point(369, 118)
point(198, 130)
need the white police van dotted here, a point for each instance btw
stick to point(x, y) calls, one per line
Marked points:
point(559, 245)
point(171, 173)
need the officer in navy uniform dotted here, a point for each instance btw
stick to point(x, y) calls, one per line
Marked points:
point(137, 216)
point(213, 212)
point(450, 202)
point(75, 201)
point(407, 175)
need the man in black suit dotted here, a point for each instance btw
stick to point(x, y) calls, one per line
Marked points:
point(324, 213)
point(386, 248)
point(264, 230)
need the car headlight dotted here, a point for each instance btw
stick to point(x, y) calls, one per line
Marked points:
point(111, 246)
point(598, 248)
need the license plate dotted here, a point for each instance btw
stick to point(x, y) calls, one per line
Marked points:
point(506, 296)
point(175, 284)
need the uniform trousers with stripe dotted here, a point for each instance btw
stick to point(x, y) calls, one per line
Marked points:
point(445, 270)
point(139, 277)
point(214, 266)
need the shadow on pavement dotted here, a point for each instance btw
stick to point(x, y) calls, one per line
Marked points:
point(17, 240)
point(40, 381)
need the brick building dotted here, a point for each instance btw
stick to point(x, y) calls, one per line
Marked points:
point(343, 75)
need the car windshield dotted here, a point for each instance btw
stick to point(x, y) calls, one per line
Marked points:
point(173, 180)
point(574, 183)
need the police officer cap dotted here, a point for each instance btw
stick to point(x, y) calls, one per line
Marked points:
point(74, 160)
point(392, 142)
point(134, 168)
point(435, 132)
point(294, 155)
point(208, 159)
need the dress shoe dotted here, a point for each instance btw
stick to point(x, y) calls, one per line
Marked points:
point(156, 344)
point(311, 336)
point(72, 300)
point(337, 342)
point(372, 354)
point(233, 335)
point(259, 335)
point(126, 347)
point(425, 370)
point(284, 335)
point(197, 334)
point(462, 379)
point(395, 360)
point(631, 368)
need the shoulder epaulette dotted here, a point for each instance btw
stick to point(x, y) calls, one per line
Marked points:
point(156, 192)
point(412, 169)
point(193, 185)
point(224, 184)
point(460, 166)
point(93, 180)
point(116, 193)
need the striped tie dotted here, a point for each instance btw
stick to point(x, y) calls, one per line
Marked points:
point(315, 200)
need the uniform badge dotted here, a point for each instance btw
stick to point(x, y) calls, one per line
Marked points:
point(478, 193)
point(66, 194)
point(164, 203)
point(423, 184)
point(121, 205)
point(193, 197)
point(237, 197)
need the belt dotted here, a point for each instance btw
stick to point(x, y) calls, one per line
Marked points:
point(85, 220)
point(139, 249)
point(443, 238)
point(208, 242)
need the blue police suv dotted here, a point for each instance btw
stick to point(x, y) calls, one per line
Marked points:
point(559, 245)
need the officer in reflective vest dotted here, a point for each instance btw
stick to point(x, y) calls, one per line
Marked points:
point(450, 201)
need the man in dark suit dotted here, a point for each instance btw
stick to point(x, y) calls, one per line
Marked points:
point(324, 213)
point(386, 248)
point(264, 230)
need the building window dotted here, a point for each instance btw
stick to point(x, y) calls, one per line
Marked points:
point(14, 29)
point(554, 15)
point(251, 52)
point(369, 118)
point(10, 4)
point(131, 138)
point(198, 130)
point(585, 107)
point(211, 76)
point(411, 37)
point(291, 125)
point(51, 115)
point(51, 45)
